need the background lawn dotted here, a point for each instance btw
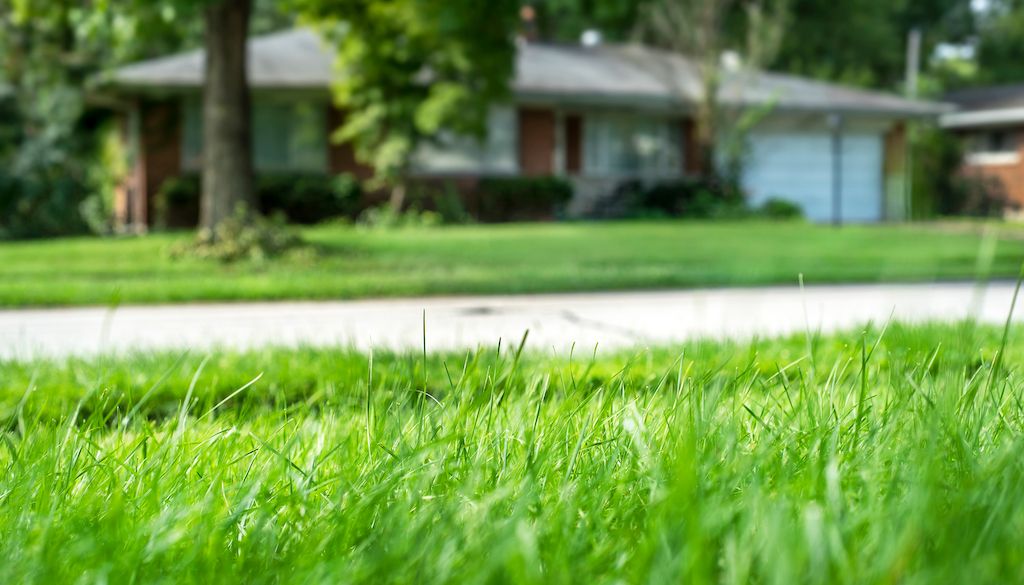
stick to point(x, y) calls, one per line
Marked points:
point(781, 461)
point(344, 262)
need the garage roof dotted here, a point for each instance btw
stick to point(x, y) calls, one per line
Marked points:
point(986, 106)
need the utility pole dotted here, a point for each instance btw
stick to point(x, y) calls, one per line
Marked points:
point(913, 61)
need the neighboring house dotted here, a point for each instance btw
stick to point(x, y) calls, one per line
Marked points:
point(597, 115)
point(990, 124)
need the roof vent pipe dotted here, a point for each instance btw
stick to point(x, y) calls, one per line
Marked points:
point(591, 38)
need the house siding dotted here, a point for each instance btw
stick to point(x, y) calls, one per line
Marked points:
point(691, 149)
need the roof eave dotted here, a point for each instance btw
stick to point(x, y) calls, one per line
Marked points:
point(982, 118)
point(191, 86)
point(918, 110)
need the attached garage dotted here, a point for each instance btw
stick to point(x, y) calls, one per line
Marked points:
point(798, 166)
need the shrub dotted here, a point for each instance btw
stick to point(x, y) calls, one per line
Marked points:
point(308, 198)
point(518, 198)
point(41, 205)
point(688, 198)
point(45, 157)
point(775, 208)
point(299, 197)
point(443, 198)
point(243, 236)
point(385, 217)
point(177, 202)
point(976, 196)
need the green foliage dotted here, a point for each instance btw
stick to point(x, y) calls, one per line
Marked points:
point(449, 204)
point(176, 204)
point(106, 172)
point(242, 236)
point(566, 20)
point(860, 457)
point(299, 197)
point(693, 198)
point(941, 189)
point(414, 67)
point(385, 217)
point(40, 205)
point(779, 209)
point(863, 42)
point(308, 198)
point(52, 54)
point(999, 55)
point(855, 41)
point(521, 198)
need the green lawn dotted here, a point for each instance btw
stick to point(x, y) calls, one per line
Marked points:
point(345, 262)
point(778, 462)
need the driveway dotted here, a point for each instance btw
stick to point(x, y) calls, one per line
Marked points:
point(610, 320)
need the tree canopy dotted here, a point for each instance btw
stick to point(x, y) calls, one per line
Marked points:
point(415, 67)
point(1000, 50)
point(861, 42)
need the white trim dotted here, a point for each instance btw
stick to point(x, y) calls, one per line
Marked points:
point(982, 118)
point(559, 154)
point(993, 158)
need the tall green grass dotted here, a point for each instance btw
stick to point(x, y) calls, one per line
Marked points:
point(854, 458)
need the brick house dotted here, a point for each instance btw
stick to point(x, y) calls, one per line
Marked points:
point(989, 121)
point(596, 115)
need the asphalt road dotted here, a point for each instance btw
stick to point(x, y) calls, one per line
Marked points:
point(610, 320)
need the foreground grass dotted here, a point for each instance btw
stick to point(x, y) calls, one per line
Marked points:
point(349, 263)
point(827, 460)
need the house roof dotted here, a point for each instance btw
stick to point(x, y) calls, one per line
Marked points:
point(986, 106)
point(621, 74)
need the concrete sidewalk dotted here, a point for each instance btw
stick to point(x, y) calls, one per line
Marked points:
point(612, 320)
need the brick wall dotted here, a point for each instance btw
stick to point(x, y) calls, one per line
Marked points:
point(1009, 175)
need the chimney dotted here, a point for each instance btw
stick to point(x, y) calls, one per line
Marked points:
point(528, 24)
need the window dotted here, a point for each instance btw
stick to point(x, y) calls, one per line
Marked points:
point(451, 153)
point(287, 135)
point(616, 144)
point(994, 141)
point(993, 147)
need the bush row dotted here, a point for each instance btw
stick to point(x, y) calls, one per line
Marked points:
point(690, 198)
point(300, 197)
point(309, 198)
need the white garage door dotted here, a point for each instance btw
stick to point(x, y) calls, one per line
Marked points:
point(797, 166)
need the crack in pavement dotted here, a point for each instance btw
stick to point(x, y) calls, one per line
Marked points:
point(575, 319)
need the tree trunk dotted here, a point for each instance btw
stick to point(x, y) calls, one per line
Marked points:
point(397, 200)
point(707, 118)
point(227, 156)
